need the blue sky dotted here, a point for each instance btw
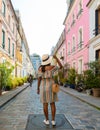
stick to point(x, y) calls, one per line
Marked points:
point(42, 21)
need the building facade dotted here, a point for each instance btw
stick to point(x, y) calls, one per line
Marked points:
point(8, 31)
point(36, 61)
point(94, 25)
point(77, 35)
point(13, 44)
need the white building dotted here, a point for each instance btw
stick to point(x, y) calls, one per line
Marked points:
point(94, 42)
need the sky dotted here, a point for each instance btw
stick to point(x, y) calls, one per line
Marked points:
point(42, 21)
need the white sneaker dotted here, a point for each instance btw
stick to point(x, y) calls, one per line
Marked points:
point(46, 122)
point(53, 123)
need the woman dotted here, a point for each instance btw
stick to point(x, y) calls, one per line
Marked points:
point(46, 71)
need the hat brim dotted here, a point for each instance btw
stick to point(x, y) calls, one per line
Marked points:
point(46, 62)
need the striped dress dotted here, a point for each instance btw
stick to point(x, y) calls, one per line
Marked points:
point(46, 94)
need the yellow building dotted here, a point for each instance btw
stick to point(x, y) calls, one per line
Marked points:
point(8, 29)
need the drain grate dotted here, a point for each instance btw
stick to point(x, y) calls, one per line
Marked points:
point(35, 122)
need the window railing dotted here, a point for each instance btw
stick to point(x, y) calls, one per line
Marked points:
point(80, 44)
point(3, 45)
point(69, 53)
point(68, 30)
point(96, 30)
point(73, 22)
point(73, 49)
point(79, 13)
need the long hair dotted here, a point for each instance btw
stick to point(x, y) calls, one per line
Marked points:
point(43, 67)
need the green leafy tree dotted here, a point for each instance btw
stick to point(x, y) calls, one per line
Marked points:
point(5, 73)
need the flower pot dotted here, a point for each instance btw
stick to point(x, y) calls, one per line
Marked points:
point(72, 86)
point(96, 92)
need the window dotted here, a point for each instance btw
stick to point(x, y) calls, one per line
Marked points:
point(13, 50)
point(73, 20)
point(13, 28)
point(80, 66)
point(68, 48)
point(9, 19)
point(97, 21)
point(97, 57)
point(80, 5)
point(9, 45)
point(3, 39)
point(68, 29)
point(80, 38)
point(74, 65)
point(73, 44)
point(80, 10)
point(97, 54)
point(62, 55)
point(3, 9)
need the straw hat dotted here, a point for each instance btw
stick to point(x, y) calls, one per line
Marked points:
point(46, 59)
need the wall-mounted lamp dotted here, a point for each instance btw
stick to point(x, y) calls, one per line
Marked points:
point(21, 50)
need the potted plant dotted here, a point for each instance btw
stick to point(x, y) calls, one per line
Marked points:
point(92, 78)
point(96, 86)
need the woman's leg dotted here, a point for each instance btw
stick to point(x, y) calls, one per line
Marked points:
point(53, 110)
point(45, 109)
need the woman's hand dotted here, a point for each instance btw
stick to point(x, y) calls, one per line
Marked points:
point(54, 56)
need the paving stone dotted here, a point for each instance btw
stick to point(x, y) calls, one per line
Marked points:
point(35, 122)
point(79, 114)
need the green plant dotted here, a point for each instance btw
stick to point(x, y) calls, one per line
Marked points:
point(63, 80)
point(55, 77)
point(92, 75)
point(14, 82)
point(60, 75)
point(71, 76)
point(5, 72)
point(95, 67)
point(89, 78)
point(9, 84)
point(96, 82)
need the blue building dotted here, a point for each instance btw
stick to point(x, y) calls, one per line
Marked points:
point(36, 61)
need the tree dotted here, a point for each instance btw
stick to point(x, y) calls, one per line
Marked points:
point(5, 72)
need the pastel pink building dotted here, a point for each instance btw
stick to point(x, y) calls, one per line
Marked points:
point(77, 35)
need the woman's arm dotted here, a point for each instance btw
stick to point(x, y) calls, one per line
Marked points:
point(38, 86)
point(55, 57)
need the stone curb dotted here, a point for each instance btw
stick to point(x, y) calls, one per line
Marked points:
point(80, 98)
point(4, 99)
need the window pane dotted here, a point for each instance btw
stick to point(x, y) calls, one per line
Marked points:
point(3, 39)
point(3, 8)
point(13, 49)
point(9, 45)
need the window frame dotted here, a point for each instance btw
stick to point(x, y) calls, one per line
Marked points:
point(3, 39)
point(3, 8)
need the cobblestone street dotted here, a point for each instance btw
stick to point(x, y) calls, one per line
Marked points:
point(13, 116)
